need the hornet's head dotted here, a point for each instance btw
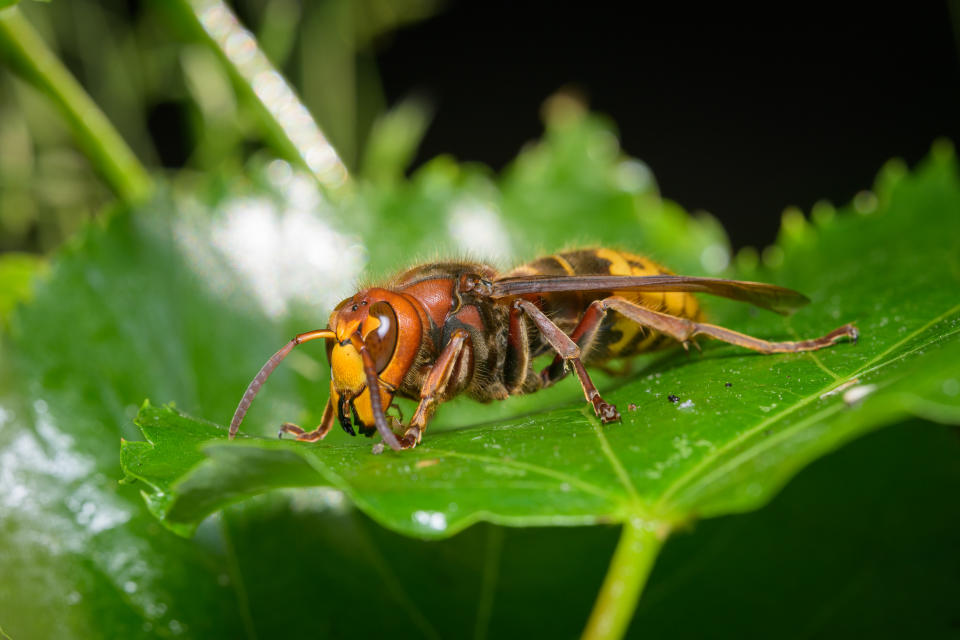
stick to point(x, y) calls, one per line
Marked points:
point(372, 342)
point(388, 327)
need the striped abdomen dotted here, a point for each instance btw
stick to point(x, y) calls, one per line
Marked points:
point(618, 336)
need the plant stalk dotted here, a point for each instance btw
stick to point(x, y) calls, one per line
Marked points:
point(631, 564)
point(30, 57)
point(288, 124)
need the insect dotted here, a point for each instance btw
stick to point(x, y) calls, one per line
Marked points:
point(439, 330)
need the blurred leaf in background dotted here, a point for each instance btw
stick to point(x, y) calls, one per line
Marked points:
point(17, 272)
point(167, 94)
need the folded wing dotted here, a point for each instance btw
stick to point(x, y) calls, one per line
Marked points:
point(765, 296)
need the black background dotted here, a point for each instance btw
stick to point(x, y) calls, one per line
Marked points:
point(735, 117)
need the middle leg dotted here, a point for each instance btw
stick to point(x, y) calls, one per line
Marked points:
point(582, 335)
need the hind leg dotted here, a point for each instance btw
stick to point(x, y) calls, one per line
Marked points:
point(683, 330)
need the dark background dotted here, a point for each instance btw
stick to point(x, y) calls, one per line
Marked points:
point(739, 118)
point(739, 115)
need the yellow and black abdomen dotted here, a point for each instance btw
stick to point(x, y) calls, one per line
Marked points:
point(618, 336)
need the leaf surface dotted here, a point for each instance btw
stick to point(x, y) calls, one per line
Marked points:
point(183, 300)
point(741, 426)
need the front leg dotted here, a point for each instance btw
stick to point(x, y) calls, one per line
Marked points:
point(436, 387)
point(310, 436)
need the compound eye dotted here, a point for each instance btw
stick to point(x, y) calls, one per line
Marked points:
point(382, 341)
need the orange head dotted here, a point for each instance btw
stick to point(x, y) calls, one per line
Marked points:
point(372, 342)
point(388, 327)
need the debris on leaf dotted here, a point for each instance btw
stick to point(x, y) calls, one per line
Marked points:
point(843, 387)
point(856, 394)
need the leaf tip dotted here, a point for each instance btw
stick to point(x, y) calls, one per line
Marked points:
point(942, 150)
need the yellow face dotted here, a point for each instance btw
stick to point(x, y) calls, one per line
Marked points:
point(346, 369)
point(371, 323)
point(348, 378)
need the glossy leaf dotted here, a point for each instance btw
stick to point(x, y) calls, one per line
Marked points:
point(183, 300)
point(178, 301)
point(821, 556)
point(743, 423)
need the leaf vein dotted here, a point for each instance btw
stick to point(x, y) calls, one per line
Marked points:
point(535, 468)
point(239, 587)
point(615, 462)
point(392, 583)
point(907, 338)
point(767, 443)
point(689, 476)
point(488, 584)
point(813, 356)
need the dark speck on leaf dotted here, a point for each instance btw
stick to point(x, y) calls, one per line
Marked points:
point(674, 399)
point(728, 385)
point(767, 432)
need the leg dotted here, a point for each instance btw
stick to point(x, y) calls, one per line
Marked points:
point(683, 330)
point(435, 387)
point(310, 436)
point(568, 350)
point(582, 335)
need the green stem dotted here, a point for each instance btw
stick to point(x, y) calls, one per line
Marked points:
point(30, 56)
point(289, 126)
point(628, 572)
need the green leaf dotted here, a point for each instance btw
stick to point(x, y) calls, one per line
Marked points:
point(79, 552)
point(179, 301)
point(17, 271)
point(720, 449)
point(182, 301)
point(828, 557)
point(818, 536)
point(393, 141)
